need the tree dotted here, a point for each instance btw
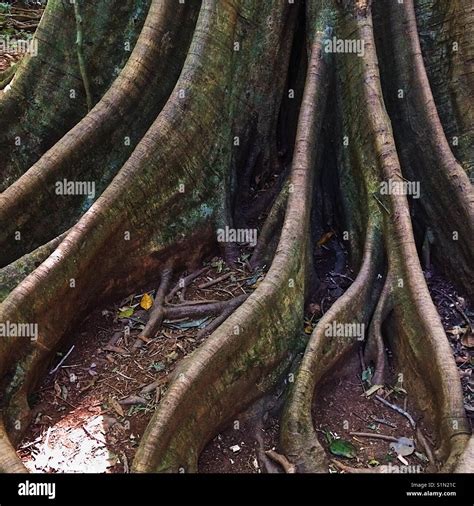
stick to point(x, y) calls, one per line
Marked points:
point(187, 108)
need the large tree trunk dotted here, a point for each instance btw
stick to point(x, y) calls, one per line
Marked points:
point(180, 130)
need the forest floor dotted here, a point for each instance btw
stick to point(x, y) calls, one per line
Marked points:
point(92, 409)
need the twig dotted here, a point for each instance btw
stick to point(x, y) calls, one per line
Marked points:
point(62, 361)
point(374, 436)
point(93, 437)
point(381, 203)
point(398, 409)
point(188, 303)
point(337, 275)
point(385, 422)
point(65, 401)
point(213, 282)
point(361, 418)
point(282, 460)
point(133, 399)
point(214, 309)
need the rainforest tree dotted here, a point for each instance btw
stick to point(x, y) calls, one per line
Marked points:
point(172, 115)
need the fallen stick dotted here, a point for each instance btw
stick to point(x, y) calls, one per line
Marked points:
point(184, 282)
point(374, 436)
point(62, 360)
point(282, 460)
point(188, 303)
point(398, 409)
point(133, 399)
point(231, 307)
point(158, 312)
point(212, 309)
point(385, 422)
point(216, 280)
point(152, 386)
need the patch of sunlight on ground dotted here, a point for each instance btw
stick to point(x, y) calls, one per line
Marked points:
point(73, 449)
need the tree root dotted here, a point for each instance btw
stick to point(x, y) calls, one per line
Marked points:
point(22, 204)
point(448, 57)
point(246, 354)
point(426, 156)
point(414, 329)
point(282, 460)
point(43, 102)
point(297, 435)
point(12, 275)
point(272, 222)
point(81, 267)
point(219, 90)
point(375, 348)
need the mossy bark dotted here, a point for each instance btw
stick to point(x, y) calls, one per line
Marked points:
point(212, 129)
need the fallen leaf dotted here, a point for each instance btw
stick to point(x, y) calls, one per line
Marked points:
point(342, 448)
point(114, 404)
point(188, 325)
point(404, 446)
point(468, 340)
point(171, 357)
point(158, 366)
point(372, 390)
point(367, 374)
point(125, 312)
point(421, 456)
point(146, 302)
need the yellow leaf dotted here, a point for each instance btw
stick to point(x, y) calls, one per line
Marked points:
point(146, 302)
point(308, 329)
